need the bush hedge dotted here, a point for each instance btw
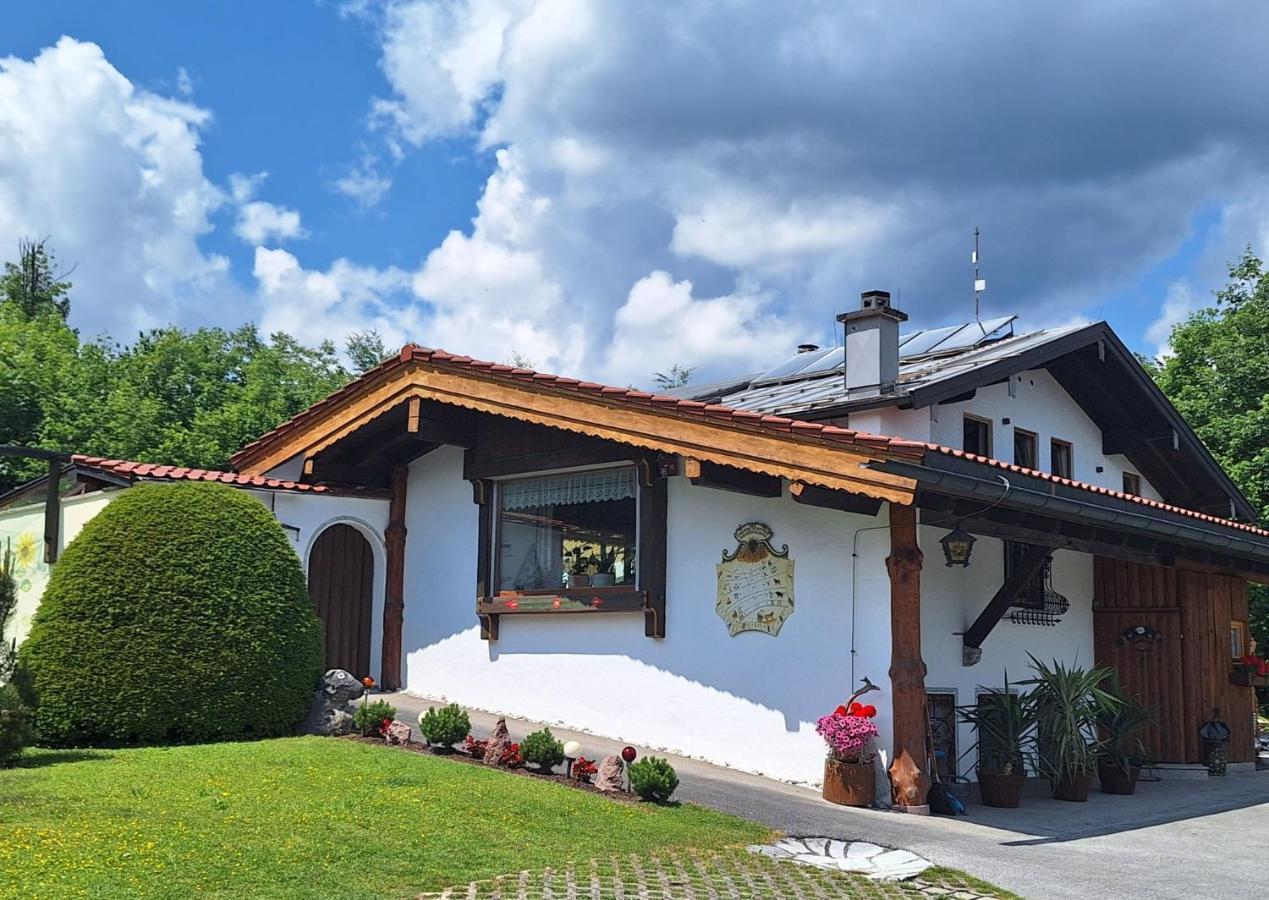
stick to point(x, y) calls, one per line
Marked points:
point(444, 726)
point(541, 749)
point(654, 779)
point(15, 725)
point(179, 614)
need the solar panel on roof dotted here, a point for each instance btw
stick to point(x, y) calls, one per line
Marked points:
point(954, 337)
point(924, 341)
point(826, 363)
point(792, 366)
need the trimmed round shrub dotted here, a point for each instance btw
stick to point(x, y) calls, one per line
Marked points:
point(653, 778)
point(444, 726)
point(541, 749)
point(179, 614)
point(373, 719)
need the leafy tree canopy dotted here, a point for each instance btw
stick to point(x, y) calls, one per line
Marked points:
point(1217, 375)
point(30, 286)
point(189, 398)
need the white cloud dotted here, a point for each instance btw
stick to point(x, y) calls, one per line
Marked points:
point(112, 174)
point(260, 222)
point(363, 183)
point(1179, 302)
point(662, 324)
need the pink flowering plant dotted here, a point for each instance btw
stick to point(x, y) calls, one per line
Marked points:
point(849, 733)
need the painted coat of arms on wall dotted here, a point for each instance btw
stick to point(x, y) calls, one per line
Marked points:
point(755, 583)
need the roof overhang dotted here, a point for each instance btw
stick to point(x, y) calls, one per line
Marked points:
point(813, 454)
point(1033, 509)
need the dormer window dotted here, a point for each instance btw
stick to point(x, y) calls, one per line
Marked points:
point(977, 436)
point(1024, 448)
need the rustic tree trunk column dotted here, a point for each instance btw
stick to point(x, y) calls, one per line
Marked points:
point(394, 590)
point(907, 668)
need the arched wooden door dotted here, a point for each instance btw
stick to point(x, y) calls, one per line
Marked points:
point(341, 584)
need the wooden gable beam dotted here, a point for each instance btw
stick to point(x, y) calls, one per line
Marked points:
point(810, 495)
point(838, 467)
point(1022, 573)
point(725, 478)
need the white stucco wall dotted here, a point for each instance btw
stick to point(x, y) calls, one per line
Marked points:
point(1039, 405)
point(749, 701)
point(952, 598)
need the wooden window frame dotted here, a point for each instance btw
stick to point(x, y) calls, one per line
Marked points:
point(1134, 479)
point(1055, 443)
point(1240, 634)
point(1035, 448)
point(646, 596)
point(987, 427)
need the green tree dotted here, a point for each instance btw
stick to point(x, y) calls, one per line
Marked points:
point(366, 350)
point(1217, 375)
point(676, 377)
point(31, 286)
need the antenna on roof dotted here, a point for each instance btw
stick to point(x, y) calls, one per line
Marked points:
point(980, 284)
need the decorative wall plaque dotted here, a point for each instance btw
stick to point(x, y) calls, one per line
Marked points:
point(755, 583)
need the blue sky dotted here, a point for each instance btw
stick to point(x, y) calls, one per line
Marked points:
point(608, 188)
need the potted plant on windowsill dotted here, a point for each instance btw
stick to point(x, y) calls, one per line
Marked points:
point(1068, 702)
point(1250, 671)
point(849, 779)
point(605, 569)
point(1122, 752)
point(579, 562)
point(1003, 722)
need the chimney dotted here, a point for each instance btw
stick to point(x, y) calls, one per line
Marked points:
point(872, 345)
point(808, 348)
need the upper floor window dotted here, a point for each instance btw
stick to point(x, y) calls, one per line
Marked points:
point(1024, 449)
point(1132, 484)
point(571, 530)
point(977, 436)
point(1061, 462)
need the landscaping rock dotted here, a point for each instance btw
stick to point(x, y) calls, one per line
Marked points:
point(499, 741)
point(609, 777)
point(331, 712)
point(397, 733)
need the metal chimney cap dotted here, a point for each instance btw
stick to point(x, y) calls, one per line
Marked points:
point(808, 348)
point(871, 304)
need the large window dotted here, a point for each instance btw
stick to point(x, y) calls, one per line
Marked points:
point(977, 436)
point(572, 530)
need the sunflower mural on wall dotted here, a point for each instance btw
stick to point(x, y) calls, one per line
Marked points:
point(22, 537)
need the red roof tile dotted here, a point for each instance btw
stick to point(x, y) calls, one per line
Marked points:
point(1098, 489)
point(134, 471)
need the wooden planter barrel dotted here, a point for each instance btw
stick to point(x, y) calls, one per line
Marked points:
point(1001, 791)
point(1073, 787)
point(1115, 780)
point(849, 784)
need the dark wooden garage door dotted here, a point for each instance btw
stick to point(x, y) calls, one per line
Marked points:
point(341, 584)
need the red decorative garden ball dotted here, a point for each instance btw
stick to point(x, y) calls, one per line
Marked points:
point(629, 754)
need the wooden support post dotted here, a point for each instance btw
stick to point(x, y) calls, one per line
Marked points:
point(53, 510)
point(394, 590)
point(907, 668)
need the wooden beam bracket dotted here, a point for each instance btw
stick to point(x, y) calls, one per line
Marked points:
point(991, 615)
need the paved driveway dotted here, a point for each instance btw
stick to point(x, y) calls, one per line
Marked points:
point(1174, 839)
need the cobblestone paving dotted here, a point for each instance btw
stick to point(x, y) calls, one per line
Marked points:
point(680, 875)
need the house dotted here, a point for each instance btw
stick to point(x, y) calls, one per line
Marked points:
point(710, 571)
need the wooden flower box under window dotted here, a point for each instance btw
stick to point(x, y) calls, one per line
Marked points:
point(567, 601)
point(1243, 678)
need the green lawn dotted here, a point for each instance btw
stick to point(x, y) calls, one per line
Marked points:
point(305, 817)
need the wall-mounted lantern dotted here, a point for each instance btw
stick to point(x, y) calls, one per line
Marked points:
point(958, 545)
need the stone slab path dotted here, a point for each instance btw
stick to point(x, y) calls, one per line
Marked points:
point(687, 875)
point(861, 857)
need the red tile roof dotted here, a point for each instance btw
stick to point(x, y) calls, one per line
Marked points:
point(1097, 489)
point(136, 471)
point(665, 403)
point(695, 408)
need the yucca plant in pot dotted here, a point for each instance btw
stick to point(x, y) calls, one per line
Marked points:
point(1122, 752)
point(1003, 722)
point(1068, 701)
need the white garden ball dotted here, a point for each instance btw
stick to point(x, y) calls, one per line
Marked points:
point(572, 749)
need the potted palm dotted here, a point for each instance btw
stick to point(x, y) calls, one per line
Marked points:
point(1068, 701)
point(1122, 751)
point(1003, 722)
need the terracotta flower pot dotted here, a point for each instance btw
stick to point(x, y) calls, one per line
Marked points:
point(1001, 791)
point(849, 784)
point(1116, 781)
point(1073, 787)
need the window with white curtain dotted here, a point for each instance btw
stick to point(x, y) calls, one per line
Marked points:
point(570, 530)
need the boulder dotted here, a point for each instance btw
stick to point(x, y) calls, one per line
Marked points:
point(610, 777)
point(331, 712)
point(499, 741)
point(397, 733)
